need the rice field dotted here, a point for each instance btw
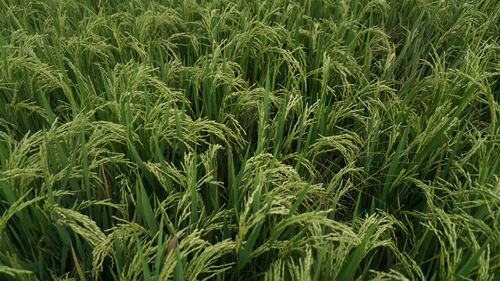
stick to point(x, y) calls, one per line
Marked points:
point(250, 140)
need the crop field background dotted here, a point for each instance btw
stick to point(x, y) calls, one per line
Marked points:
point(250, 140)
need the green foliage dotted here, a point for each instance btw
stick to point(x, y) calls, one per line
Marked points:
point(249, 140)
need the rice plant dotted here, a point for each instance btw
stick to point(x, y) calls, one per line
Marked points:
point(250, 140)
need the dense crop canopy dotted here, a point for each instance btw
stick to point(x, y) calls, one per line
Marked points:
point(249, 140)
